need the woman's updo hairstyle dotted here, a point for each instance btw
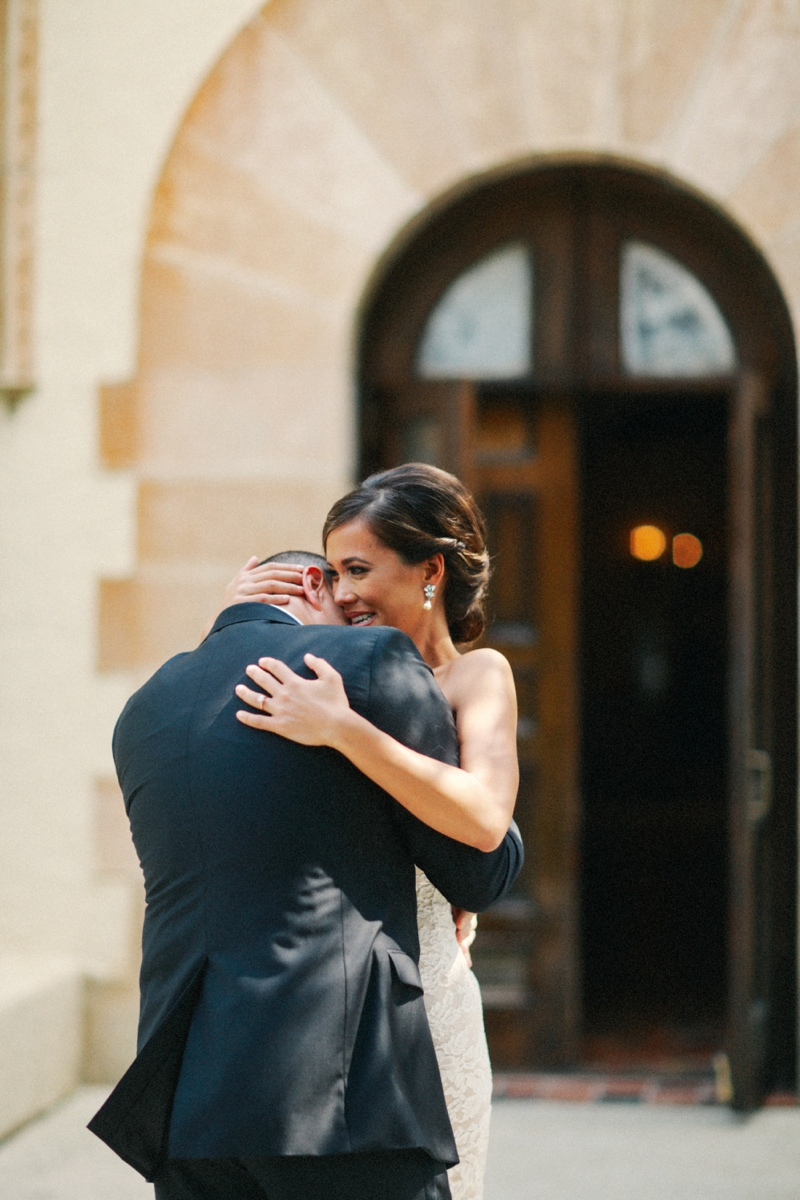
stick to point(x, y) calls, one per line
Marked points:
point(419, 511)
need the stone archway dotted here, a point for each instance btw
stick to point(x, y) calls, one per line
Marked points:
point(320, 133)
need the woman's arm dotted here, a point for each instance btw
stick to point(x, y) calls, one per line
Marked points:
point(471, 804)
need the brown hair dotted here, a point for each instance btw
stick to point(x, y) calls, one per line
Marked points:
point(419, 511)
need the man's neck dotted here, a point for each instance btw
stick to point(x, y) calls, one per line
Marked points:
point(287, 608)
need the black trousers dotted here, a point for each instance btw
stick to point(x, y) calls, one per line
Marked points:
point(379, 1175)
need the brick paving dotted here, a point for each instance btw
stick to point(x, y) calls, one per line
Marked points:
point(595, 1088)
point(633, 1088)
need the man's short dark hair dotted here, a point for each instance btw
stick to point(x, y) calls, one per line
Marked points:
point(302, 558)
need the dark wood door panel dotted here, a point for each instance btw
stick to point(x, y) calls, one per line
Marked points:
point(533, 536)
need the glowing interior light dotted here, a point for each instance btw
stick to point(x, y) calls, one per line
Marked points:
point(687, 550)
point(647, 542)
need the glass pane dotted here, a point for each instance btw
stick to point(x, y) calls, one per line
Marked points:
point(670, 324)
point(510, 521)
point(481, 326)
point(422, 441)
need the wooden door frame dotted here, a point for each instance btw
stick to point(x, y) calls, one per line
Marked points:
point(574, 352)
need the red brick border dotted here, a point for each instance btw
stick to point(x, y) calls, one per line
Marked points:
point(619, 1089)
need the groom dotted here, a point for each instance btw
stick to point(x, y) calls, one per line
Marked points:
point(284, 1050)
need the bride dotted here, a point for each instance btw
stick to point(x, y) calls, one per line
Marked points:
point(407, 548)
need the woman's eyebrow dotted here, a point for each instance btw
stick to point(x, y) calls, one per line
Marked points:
point(355, 558)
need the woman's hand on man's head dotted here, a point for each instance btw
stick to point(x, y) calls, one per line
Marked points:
point(265, 583)
point(270, 583)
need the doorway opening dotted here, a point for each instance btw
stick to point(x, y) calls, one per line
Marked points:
point(653, 720)
point(609, 364)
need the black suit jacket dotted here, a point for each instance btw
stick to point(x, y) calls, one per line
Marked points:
point(281, 1003)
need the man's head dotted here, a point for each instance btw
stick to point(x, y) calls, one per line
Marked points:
point(316, 606)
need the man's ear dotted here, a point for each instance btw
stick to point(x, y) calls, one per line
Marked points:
point(313, 585)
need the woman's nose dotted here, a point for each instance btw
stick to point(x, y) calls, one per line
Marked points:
point(342, 592)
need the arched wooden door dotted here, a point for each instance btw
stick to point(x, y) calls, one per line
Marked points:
point(606, 360)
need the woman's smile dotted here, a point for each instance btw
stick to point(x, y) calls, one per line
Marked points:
point(360, 618)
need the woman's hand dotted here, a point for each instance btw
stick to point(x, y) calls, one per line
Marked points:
point(310, 711)
point(270, 583)
point(466, 924)
point(472, 803)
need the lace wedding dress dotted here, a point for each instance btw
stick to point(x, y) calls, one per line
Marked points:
point(455, 1016)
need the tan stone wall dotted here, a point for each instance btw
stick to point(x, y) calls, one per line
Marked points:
point(113, 82)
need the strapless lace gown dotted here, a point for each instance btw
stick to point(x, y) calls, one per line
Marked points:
point(455, 1016)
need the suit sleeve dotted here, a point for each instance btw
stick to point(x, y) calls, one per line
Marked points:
point(406, 702)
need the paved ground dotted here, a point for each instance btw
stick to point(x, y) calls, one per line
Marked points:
point(56, 1158)
point(544, 1150)
point(540, 1151)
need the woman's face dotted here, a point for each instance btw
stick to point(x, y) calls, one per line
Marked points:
point(372, 584)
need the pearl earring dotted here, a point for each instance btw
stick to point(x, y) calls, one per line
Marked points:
point(430, 591)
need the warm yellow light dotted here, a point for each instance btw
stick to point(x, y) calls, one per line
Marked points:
point(647, 542)
point(687, 550)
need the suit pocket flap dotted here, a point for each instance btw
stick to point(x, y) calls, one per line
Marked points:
point(405, 969)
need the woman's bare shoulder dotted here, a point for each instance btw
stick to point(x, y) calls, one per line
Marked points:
point(481, 666)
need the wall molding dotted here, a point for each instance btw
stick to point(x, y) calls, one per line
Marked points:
point(18, 81)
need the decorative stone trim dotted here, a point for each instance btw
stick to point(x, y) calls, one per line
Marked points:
point(119, 632)
point(119, 432)
point(18, 57)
